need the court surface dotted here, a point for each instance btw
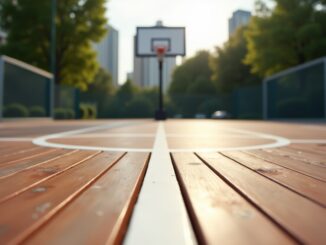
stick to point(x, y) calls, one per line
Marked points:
point(172, 182)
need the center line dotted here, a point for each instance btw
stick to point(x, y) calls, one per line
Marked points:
point(160, 216)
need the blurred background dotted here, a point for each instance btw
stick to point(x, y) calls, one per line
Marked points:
point(247, 59)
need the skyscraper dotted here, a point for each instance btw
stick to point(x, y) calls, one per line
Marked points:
point(3, 37)
point(146, 71)
point(108, 53)
point(239, 18)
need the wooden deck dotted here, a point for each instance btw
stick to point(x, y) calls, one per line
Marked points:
point(241, 182)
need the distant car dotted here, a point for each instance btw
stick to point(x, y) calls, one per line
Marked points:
point(200, 116)
point(220, 115)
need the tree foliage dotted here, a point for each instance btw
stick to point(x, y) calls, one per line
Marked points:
point(126, 101)
point(193, 76)
point(103, 83)
point(292, 33)
point(78, 22)
point(229, 71)
point(191, 84)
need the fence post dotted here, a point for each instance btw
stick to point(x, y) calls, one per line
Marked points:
point(76, 102)
point(2, 76)
point(52, 97)
point(325, 88)
point(265, 100)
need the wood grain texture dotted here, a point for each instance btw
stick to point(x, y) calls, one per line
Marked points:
point(100, 215)
point(12, 148)
point(24, 180)
point(17, 166)
point(309, 158)
point(23, 214)
point(22, 155)
point(220, 215)
point(302, 218)
point(300, 183)
point(314, 171)
point(123, 142)
point(317, 149)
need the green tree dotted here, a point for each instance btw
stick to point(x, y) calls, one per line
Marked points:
point(102, 83)
point(193, 76)
point(292, 33)
point(229, 71)
point(139, 107)
point(100, 92)
point(121, 99)
point(191, 84)
point(127, 91)
point(79, 23)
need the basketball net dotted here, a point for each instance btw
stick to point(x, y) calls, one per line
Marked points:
point(160, 52)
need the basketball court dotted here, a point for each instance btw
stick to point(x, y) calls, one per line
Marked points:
point(172, 182)
point(156, 182)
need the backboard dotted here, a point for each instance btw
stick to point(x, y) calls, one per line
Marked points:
point(149, 38)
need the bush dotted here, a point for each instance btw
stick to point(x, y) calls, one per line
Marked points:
point(63, 113)
point(83, 112)
point(37, 111)
point(16, 110)
point(139, 108)
point(70, 114)
point(91, 112)
point(88, 111)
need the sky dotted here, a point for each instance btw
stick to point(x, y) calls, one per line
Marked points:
point(206, 22)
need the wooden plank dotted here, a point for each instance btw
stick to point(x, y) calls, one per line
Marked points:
point(13, 147)
point(23, 214)
point(302, 218)
point(22, 181)
point(319, 149)
point(300, 183)
point(314, 171)
point(16, 167)
point(21, 150)
point(93, 218)
point(309, 158)
point(219, 214)
point(22, 155)
point(139, 142)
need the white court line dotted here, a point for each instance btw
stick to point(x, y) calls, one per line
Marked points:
point(209, 136)
point(308, 141)
point(160, 216)
point(15, 139)
point(117, 135)
point(43, 141)
point(279, 142)
point(132, 135)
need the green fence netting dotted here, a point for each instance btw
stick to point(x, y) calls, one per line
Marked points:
point(66, 102)
point(296, 93)
point(26, 90)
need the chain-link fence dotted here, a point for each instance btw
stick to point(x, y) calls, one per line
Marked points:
point(66, 102)
point(297, 93)
point(25, 91)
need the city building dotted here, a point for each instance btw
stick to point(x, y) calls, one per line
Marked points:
point(108, 53)
point(239, 18)
point(146, 70)
point(3, 37)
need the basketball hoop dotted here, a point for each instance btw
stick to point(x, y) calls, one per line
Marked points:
point(160, 41)
point(160, 51)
